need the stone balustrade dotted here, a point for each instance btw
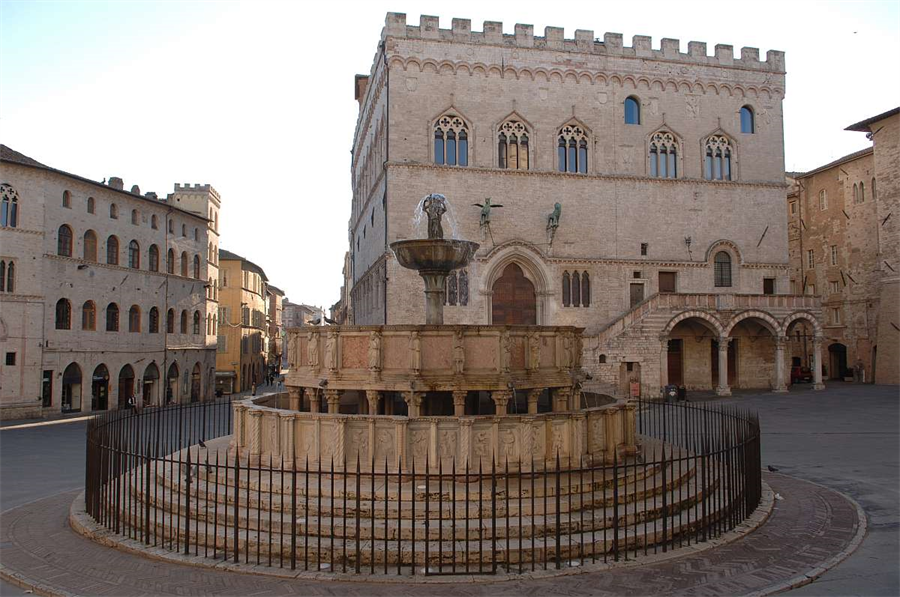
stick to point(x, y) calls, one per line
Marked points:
point(525, 442)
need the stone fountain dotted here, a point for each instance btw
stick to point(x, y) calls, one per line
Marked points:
point(434, 258)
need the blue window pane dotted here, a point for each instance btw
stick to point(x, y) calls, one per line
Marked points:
point(463, 149)
point(672, 172)
point(582, 160)
point(727, 167)
point(653, 156)
point(746, 120)
point(632, 111)
point(707, 167)
point(717, 167)
point(662, 164)
point(501, 151)
point(571, 159)
point(438, 148)
point(4, 210)
point(451, 148)
point(561, 155)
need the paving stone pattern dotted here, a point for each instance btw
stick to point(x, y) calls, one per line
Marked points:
point(809, 527)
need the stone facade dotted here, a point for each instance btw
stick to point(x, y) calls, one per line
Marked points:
point(84, 325)
point(833, 241)
point(625, 232)
point(243, 333)
point(275, 324)
point(884, 131)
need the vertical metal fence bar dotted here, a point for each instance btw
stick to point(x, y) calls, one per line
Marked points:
point(344, 520)
point(216, 510)
point(414, 490)
point(187, 506)
point(386, 519)
point(237, 499)
point(400, 514)
point(615, 506)
point(533, 518)
point(307, 518)
point(506, 530)
point(427, 508)
point(331, 537)
point(247, 515)
point(358, 507)
point(605, 525)
point(226, 485)
point(271, 529)
point(480, 515)
point(466, 500)
point(440, 516)
point(493, 514)
point(372, 516)
point(558, 514)
point(521, 545)
point(453, 514)
point(294, 511)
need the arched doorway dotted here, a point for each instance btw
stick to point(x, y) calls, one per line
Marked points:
point(837, 361)
point(71, 389)
point(100, 388)
point(689, 361)
point(195, 383)
point(172, 384)
point(126, 387)
point(751, 353)
point(151, 376)
point(513, 300)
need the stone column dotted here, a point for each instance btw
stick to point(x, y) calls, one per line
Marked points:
point(459, 403)
point(255, 434)
point(294, 398)
point(372, 397)
point(723, 389)
point(501, 401)
point(287, 437)
point(414, 403)
point(780, 385)
point(533, 396)
point(817, 364)
point(340, 453)
point(333, 397)
point(561, 399)
point(663, 364)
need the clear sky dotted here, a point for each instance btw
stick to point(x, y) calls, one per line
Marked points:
point(256, 98)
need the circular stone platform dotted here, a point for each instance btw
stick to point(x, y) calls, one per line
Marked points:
point(811, 530)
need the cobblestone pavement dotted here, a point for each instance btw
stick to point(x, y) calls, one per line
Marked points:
point(811, 525)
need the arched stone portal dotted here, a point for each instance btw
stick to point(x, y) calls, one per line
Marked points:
point(513, 299)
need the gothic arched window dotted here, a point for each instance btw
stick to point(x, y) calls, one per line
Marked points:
point(90, 246)
point(451, 141)
point(134, 319)
point(722, 270)
point(113, 211)
point(64, 241)
point(9, 206)
point(112, 250)
point(576, 289)
point(572, 149)
point(184, 264)
point(153, 328)
point(585, 290)
point(153, 258)
point(7, 277)
point(63, 314)
point(855, 193)
point(197, 267)
point(512, 146)
point(632, 110)
point(90, 205)
point(112, 318)
point(184, 322)
point(170, 262)
point(67, 199)
point(566, 290)
point(717, 165)
point(862, 192)
point(88, 316)
point(170, 321)
point(197, 323)
point(663, 154)
point(134, 255)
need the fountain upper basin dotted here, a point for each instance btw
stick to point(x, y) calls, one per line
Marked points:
point(434, 255)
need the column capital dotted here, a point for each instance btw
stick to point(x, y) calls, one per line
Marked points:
point(781, 341)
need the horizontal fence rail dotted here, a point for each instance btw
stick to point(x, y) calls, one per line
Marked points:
point(152, 477)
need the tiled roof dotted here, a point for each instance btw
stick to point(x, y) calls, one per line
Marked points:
point(847, 158)
point(7, 154)
point(863, 125)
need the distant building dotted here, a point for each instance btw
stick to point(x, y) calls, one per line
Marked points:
point(299, 315)
point(243, 333)
point(834, 251)
point(884, 131)
point(275, 322)
point(107, 296)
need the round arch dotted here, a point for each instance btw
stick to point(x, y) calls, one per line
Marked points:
point(788, 321)
point(149, 386)
point(707, 319)
point(533, 269)
point(71, 388)
point(126, 387)
point(768, 322)
point(724, 245)
point(196, 379)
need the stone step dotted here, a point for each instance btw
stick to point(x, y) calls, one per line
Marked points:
point(575, 543)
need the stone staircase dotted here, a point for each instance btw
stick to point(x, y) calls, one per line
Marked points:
point(635, 335)
point(375, 517)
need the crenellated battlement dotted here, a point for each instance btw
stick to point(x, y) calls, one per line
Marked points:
point(584, 42)
point(197, 187)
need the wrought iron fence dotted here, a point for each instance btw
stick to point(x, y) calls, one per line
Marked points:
point(151, 477)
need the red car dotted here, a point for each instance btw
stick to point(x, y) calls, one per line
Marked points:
point(801, 374)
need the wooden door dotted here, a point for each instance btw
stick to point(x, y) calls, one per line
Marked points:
point(675, 358)
point(637, 294)
point(513, 301)
point(667, 281)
